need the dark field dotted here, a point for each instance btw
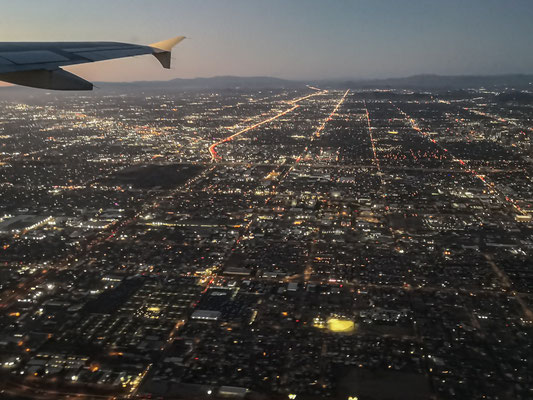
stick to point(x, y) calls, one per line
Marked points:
point(154, 176)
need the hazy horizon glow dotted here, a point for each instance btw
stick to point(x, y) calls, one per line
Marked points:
point(297, 39)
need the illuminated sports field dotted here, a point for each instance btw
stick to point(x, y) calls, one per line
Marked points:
point(336, 325)
point(341, 325)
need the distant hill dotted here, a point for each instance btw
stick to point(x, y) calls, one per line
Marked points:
point(416, 82)
point(454, 84)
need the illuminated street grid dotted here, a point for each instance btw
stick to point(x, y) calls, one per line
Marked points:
point(302, 243)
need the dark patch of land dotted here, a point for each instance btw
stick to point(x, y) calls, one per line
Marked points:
point(154, 176)
point(381, 384)
point(385, 330)
point(110, 301)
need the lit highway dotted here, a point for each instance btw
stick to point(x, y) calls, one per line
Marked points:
point(212, 148)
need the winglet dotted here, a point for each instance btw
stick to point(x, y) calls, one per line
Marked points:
point(167, 45)
point(162, 50)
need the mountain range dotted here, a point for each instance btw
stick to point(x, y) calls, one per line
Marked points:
point(415, 82)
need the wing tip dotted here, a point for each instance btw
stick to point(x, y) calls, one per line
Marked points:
point(162, 50)
point(167, 45)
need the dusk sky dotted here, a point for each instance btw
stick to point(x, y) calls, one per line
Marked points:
point(297, 39)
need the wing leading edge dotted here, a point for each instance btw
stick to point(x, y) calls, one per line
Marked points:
point(37, 64)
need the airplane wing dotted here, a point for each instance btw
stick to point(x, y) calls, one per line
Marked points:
point(37, 64)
